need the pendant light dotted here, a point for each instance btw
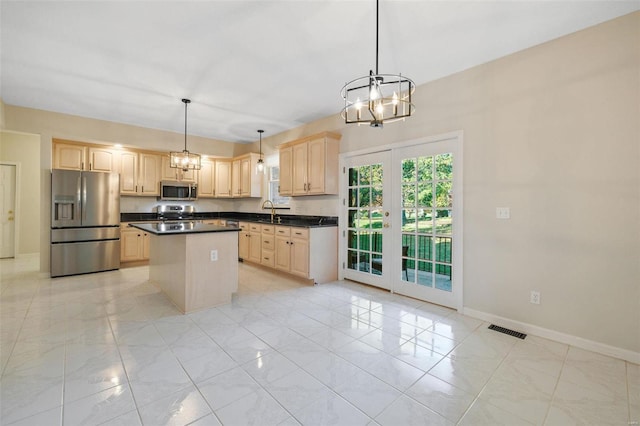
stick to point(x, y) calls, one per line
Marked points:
point(377, 98)
point(184, 160)
point(260, 164)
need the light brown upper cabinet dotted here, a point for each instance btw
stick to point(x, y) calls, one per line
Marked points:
point(103, 160)
point(69, 156)
point(139, 173)
point(223, 178)
point(170, 173)
point(309, 166)
point(245, 182)
point(206, 179)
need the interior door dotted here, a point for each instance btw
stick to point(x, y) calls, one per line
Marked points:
point(7, 210)
point(368, 217)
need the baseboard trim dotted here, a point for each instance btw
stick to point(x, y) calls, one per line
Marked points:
point(557, 336)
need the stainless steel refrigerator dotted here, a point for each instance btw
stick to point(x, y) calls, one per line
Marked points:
point(85, 222)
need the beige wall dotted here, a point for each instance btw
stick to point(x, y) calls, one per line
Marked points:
point(24, 150)
point(553, 133)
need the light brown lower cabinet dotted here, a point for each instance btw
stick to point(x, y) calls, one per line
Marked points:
point(134, 244)
point(310, 253)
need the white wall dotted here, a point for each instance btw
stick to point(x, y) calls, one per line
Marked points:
point(552, 132)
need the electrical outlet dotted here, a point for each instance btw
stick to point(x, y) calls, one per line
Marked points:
point(214, 255)
point(503, 213)
point(535, 297)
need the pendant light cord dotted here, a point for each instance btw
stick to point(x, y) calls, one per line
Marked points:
point(186, 102)
point(377, 24)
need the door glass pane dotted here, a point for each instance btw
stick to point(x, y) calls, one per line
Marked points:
point(352, 241)
point(444, 166)
point(353, 176)
point(425, 195)
point(427, 184)
point(443, 222)
point(376, 174)
point(364, 197)
point(376, 264)
point(353, 197)
point(363, 262)
point(425, 274)
point(408, 220)
point(443, 277)
point(409, 170)
point(376, 242)
point(353, 215)
point(352, 259)
point(409, 195)
point(365, 219)
point(425, 169)
point(443, 249)
point(376, 196)
point(424, 247)
point(365, 175)
point(443, 194)
point(364, 240)
point(409, 244)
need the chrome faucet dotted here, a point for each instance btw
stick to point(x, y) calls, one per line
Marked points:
point(273, 210)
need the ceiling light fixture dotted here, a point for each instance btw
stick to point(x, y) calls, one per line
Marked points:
point(185, 160)
point(260, 165)
point(377, 98)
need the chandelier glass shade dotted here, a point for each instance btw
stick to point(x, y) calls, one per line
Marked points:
point(377, 98)
point(184, 160)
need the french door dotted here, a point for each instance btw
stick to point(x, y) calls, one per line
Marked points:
point(368, 219)
point(402, 216)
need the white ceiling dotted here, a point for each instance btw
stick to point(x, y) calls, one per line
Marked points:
point(247, 65)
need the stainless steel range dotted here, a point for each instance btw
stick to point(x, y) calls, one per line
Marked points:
point(175, 212)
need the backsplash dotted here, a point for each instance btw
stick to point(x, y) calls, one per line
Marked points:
point(319, 205)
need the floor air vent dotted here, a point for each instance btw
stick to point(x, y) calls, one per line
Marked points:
point(507, 331)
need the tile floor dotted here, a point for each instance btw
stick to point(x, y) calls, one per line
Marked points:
point(109, 349)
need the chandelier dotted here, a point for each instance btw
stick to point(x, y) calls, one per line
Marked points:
point(377, 98)
point(184, 160)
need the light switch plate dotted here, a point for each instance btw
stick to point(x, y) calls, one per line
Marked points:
point(503, 213)
point(214, 255)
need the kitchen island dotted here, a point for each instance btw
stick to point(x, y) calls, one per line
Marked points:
point(195, 264)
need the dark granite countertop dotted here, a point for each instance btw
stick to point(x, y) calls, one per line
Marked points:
point(285, 220)
point(173, 228)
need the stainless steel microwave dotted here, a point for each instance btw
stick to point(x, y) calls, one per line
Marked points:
point(178, 191)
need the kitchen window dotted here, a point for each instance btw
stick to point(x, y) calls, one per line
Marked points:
point(274, 184)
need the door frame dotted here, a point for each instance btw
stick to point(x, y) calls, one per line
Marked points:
point(458, 231)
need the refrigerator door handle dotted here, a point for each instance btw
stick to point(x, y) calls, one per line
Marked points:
point(83, 200)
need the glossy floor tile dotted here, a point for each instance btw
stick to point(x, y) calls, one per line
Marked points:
point(110, 349)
